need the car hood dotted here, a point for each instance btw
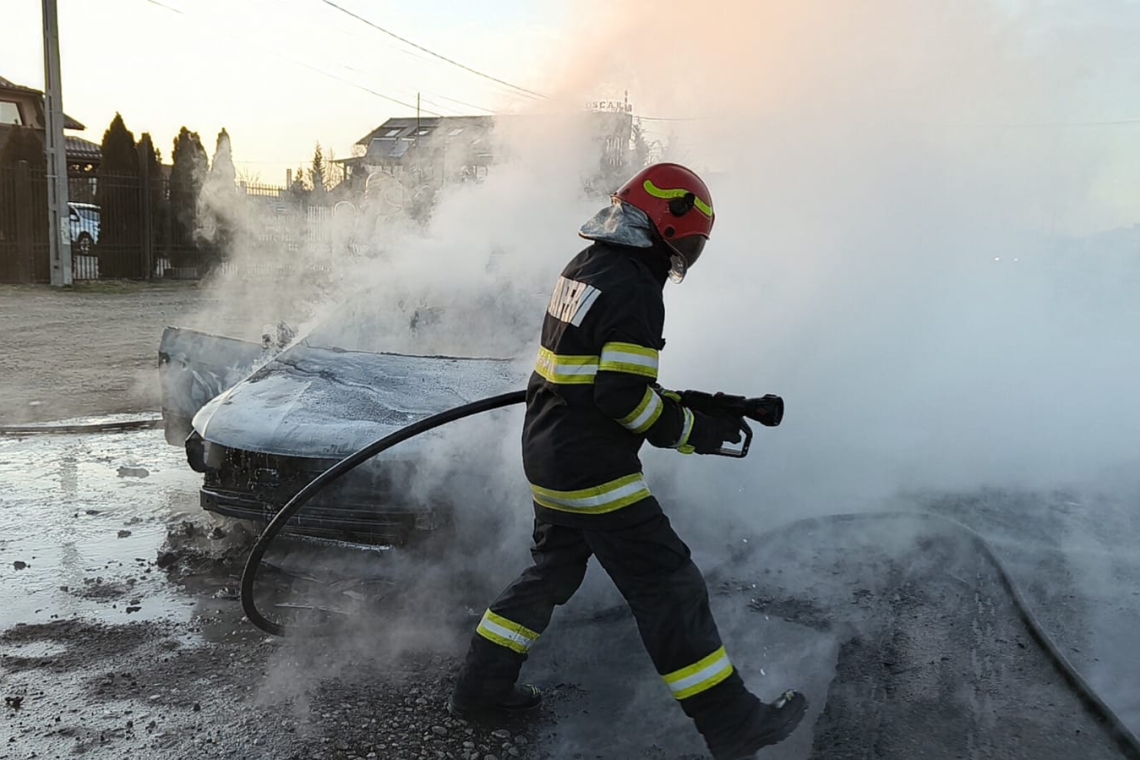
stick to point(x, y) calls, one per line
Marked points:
point(328, 403)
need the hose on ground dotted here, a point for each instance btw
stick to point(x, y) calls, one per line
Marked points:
point(1128, 742)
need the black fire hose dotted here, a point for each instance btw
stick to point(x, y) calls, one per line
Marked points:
point(341, 468)
point(1128, 742)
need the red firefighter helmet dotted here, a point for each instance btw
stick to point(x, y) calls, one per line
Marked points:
point(679, 204)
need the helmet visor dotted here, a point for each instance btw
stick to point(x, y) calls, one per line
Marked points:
point(690, 247)
point(688, 250)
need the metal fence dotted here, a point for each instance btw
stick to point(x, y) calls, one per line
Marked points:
point(141, 228)
point(24, 244)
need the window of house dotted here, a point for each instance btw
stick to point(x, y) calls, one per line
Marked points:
point(422, 132)
point(10, 113)
point(392, 132)
point(455, 132)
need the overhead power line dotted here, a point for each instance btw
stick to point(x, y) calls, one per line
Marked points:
point(362, 88)
point(464, 103)
point(167, 7)
point(432, 53)
point(312, 68)
point(411, 106)
point(427, 97)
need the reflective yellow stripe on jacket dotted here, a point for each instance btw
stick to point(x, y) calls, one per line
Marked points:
point(700, 676)
point(682, 444)
point(581, 370)
point(631, 358)
point(607, 497)
point(566, 370)
point(644, 414)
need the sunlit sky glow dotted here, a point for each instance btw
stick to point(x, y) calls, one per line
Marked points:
point(281, 75)
point(251, 66)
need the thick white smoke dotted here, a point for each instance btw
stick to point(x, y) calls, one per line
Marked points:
point(904, 249)
point(901, 246)
point(901, 249)
point(892, 254)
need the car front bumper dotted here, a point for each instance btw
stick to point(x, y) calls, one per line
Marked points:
point(356, 523)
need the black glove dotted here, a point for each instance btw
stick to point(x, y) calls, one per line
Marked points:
point(712, 432)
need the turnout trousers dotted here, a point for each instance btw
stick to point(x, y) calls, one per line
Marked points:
point(652, 568)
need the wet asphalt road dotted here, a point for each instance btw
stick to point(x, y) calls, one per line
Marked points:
point(87, 513)
point(898, 631)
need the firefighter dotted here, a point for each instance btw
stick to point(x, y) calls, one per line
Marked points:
point(592, 401)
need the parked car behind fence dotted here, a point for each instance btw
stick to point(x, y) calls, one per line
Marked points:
point(84, 237)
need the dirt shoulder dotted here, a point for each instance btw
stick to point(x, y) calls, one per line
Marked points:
point(91, 349)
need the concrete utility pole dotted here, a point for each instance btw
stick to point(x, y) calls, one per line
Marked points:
point(59, 214)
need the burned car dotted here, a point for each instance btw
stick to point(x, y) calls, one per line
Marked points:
point(261, 420)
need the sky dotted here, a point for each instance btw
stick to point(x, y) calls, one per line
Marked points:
point(279, 75)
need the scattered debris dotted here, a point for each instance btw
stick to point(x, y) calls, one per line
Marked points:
point(184, 553)
point(124, 533)
point(20, 565)
point(14, 702)
point(133, 472)
point(98, 588)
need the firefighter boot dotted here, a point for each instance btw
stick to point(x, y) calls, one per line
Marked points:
point(487, 684)
point(769, 723)
point(520, 699)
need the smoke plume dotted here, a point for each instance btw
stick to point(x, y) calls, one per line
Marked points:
point(921, 242)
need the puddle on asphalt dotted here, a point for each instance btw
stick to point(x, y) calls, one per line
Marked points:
point(82, 517)
point(94, 419)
